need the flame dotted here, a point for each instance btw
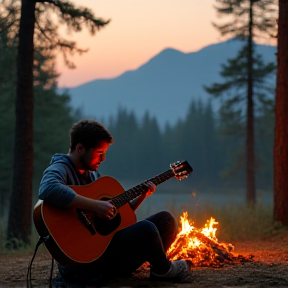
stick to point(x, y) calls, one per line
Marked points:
point(200, 246)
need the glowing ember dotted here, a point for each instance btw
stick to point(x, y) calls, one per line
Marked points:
point(200, 246)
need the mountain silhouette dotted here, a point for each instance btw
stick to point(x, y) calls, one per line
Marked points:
point(164, 86)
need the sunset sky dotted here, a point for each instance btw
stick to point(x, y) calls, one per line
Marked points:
point(139, 30)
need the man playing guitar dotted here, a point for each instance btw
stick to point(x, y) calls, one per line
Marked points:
point(128, 248)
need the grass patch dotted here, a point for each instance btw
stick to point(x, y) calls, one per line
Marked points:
point(8, 247)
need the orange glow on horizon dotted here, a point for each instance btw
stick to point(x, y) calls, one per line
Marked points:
point(138, 31)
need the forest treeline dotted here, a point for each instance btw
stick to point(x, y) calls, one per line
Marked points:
point(141, 149)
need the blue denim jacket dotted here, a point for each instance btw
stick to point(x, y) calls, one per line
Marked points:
point(57, 176)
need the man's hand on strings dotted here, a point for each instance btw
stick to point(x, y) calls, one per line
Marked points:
point(105, 209)
point(151, 187)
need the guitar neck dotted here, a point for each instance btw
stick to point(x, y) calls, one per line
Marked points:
point(136, 191)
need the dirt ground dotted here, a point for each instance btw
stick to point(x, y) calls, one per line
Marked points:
point(269, 268)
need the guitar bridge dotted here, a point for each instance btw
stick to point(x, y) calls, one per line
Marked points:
point(83, 218)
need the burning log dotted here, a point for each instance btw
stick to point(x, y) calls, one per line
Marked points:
point(201, 247)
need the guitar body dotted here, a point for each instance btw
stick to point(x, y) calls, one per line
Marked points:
point(70, 242)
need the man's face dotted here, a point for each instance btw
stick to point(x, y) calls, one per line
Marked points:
point(93, 157)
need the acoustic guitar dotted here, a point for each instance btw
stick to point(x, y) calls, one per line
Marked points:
point(73, 236)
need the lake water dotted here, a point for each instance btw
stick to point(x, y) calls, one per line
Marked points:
point(177, 203)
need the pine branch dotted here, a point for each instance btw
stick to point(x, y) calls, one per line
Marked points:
point(76, 17)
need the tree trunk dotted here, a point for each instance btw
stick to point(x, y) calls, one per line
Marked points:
point(19, 222)
point(250, 154)
point(281, 120)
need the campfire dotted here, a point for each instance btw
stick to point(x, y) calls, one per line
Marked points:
point(201, 246)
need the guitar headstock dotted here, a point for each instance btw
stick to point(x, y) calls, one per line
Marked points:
point(181, 169)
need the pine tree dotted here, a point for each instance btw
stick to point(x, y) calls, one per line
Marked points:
point(149, 146)
point(252, 18)
point(123, 155)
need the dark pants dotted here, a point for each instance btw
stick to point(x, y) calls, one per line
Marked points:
point(144, 241)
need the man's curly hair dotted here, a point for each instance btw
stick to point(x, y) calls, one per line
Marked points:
point(89, 133)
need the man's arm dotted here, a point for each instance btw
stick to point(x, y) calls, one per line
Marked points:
point(53, 186)
point(54, 190)
point(101, 208)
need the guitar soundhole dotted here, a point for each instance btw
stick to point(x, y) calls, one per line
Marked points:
point(104, 226)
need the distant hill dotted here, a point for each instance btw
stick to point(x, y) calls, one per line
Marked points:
point(164, 86)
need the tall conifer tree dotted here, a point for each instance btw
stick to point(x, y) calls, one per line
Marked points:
point(250, 18)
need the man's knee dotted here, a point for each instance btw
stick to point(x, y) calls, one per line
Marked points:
point(149, 228)
point(166, 215)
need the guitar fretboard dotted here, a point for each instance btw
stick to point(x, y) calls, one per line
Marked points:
point(136, 191)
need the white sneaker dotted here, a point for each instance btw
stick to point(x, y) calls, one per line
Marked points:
point(179, 271)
